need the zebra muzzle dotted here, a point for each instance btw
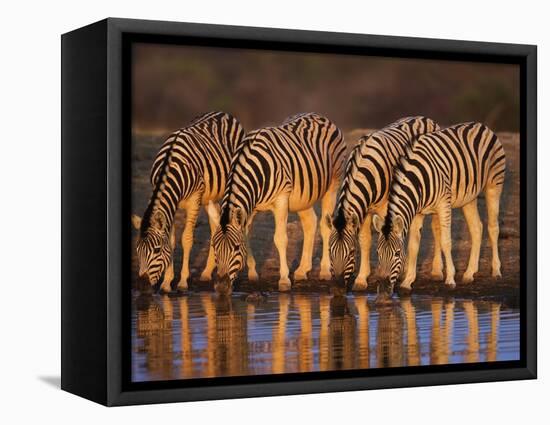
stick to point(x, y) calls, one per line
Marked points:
point(384, 291)
point(223, 285)
point(339, 286)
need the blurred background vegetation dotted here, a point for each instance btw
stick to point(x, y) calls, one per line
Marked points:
point(173, 84)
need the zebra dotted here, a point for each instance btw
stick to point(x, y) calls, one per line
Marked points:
point(364, 192)
point(189, 171)
point(443, 170)
point(285, 168)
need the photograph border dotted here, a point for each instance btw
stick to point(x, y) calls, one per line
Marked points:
point(120, 34)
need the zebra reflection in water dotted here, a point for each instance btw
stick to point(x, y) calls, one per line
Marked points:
point(209, 335)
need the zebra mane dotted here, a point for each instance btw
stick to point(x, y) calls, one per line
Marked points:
point(224, 218)
point(339, 221)
point(396, 203)
point(197, 119)
point(348, 175)
point(225, 203)
point(398, 173)
point(386, 228)
point(298, 116)
point(388, 221)
point(159, 184)
point(146, 221)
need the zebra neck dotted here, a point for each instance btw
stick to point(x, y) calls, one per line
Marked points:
point(360, 190)
point(392, 215)
point(226, 210)
point(160, 204)
point(346, 207)
point(235, 198)
point(405, 207)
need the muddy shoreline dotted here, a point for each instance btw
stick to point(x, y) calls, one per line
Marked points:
point(489, 289)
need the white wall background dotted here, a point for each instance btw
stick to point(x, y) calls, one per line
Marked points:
point(30, 210)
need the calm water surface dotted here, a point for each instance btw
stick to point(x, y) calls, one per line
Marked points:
point(203, 335)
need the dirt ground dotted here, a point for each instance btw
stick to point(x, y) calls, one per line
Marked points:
point(144, 150)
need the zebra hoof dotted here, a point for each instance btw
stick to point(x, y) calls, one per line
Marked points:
point(300, 275)
point(325, 276)
point(284, 285)
point(165, 288)
point(407, 283)
point(360, 286)
point(405, 288)
point(437, 275)
point(450, 285)
point(467, 278)
point(182, 286)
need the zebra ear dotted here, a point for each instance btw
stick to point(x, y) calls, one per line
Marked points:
point(158, 221)
point(213, 213)
point(354, 220)
point(398, 225)
point(377, 222)
point(237, 216)
point(328, 220)
point(136, 221)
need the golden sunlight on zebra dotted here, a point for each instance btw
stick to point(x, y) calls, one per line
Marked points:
point(189, 171)
point(280, 169)
point(393, 178)
point(443, 170)
point(364, 192)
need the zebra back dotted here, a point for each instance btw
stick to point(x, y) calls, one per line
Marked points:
point(194, 158)
point(371, 163)
point(302, 156)
point(454, 164)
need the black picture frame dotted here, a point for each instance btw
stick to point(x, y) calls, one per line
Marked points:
point(95, 211)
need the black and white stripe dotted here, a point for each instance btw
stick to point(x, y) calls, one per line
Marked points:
point(189, 171)
point(364, 192)
point(443, 170)
point(281, 169)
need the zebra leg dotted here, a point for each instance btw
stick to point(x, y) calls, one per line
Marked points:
point(250, 260)
point(476, 230)
point(206, 274)
point(280, 211)
point(437, 263)
point(327, 208)
point(166, 285)
point(365, 239)
point(492, 196)
point(309, 225)
point(191, 214)
point(444, 212)
point(415, 233)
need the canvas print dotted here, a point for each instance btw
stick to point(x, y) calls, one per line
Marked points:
point(297, 212)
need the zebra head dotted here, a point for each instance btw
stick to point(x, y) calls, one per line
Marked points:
point(154, 246)
point(342, 245)
point(229, 244)
point(391, 252)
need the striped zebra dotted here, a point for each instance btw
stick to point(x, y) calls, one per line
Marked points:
point(281, 169)
point(443, 170)
point(364, 192)
point(189, 171)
